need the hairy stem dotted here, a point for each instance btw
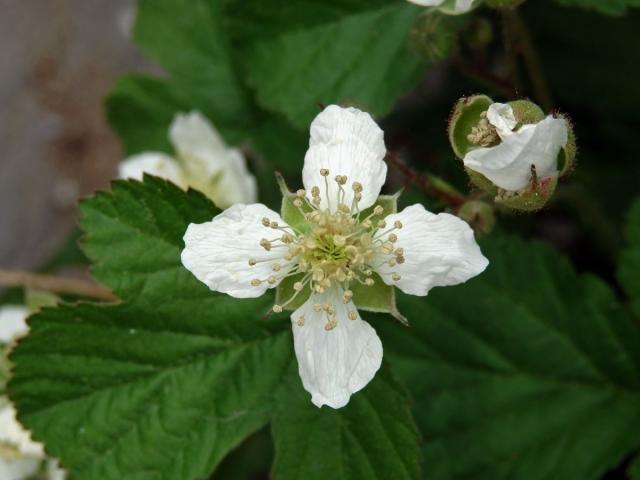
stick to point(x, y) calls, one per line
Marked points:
point(70, 286)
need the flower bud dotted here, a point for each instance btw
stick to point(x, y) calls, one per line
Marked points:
point(432, 36)
point(479, 215)
point(512, 151)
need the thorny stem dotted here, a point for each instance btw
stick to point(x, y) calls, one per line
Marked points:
point(518, 41)
point(71, 286)
point(428, 184)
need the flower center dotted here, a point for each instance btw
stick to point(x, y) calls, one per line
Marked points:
point(484, 134)
point(339, 246)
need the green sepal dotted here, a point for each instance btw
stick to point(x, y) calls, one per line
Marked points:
point(530, 199)
point(526, 112)
point(379, 297)
point(464, 117)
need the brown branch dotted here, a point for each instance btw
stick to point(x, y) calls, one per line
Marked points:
point(70, 286)
point(424, 183)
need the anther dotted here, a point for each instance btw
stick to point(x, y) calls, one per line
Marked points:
point(297, 203)
point(382, 224)
point(297, 286)
point(300, 321)
point(397, 224)
point(317, 307)
point(400, 259)
point(273, 224)
point(369, 282)
point(378, 210)
point(357, 187)
point(276, 267)
point(341, 179)
point(277, 308)
point(266, 244)
point(315, 191)
point(256, 282)
point(271, 279)
point(252, 261)
point(393, 238)
point(331, 325)
point(353, 315)
point(301, 193)
point(396, 277)
point(266, 222)
point(324, 172)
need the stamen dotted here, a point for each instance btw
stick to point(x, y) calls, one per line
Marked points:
point(266, 244)
point(333, 323)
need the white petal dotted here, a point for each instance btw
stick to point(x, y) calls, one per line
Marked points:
point(153, 163)
point(218, 252)
point(54, 471)
point(428, 3)
point(346, 141)
point(236, 184)
point(439, 250)
point(12, 433)
point(212, 167)
point(463, 6)
point(22, 468)
point(334, 364)
point(199, 146)
point(13, 322)
point(501, 116)
point(508, 165)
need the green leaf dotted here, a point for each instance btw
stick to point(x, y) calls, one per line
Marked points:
point(356, 53)
point(608, 7)
point(133, 236)
point(528, 371)
point(629, 269)
point(373, 437)
point(634, 468)
point(160, 387)
point(188, 39)
point(122, 392)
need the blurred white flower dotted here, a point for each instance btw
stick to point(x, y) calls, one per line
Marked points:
point(248, 249)
point(202, 161)
point(20, 457)
point(532, 146)
point(447, 6)
point(13, 322)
